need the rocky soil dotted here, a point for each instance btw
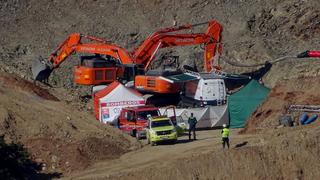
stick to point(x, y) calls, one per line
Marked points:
point(56, 123)
point(271, 154)
point(301, 91)
point(57, 135)
point(280, 155)
point(254, 31)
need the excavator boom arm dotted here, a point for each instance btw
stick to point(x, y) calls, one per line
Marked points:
point(73, 44)
point(166, 38)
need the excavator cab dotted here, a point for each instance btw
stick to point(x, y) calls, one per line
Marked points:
point(132, 70)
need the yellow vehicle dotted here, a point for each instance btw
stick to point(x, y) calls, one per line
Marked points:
point(161, 129)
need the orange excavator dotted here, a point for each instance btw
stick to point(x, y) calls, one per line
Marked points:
point(125, 65)
point(153, 81)
point(91, 71)
point(166, 38)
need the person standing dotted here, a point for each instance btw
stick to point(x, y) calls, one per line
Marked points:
point(225, 136)
point(192, 126)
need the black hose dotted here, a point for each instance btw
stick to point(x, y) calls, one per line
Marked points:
point(233, 63)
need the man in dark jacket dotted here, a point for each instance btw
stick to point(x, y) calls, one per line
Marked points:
point(192, 126)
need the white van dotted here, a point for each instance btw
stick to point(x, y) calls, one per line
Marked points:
point(207, 90)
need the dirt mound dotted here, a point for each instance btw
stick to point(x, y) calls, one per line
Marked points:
point(57, 135)
point(12, 81)
point(75, 156)
point(301, 91)
point(274, 154)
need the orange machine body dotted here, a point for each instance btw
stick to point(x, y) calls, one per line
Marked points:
point(88, 76)
point(155, 84)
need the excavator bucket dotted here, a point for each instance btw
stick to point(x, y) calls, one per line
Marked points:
point(41, 70)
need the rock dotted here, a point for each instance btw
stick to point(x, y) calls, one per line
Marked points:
point(73, 126)
point(68, 118)
point(67, 134)
point(280, 126)
point(54, 158)
point(303, 134)
point(89, 108)
point(43, 168)
point(285, 143)
point(132, 34)
point(38, 160)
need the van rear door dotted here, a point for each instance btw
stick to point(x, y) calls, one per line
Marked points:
point(209, 90)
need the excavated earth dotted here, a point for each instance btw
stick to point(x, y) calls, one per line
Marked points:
point(276, 154)
point(57, 126)
point(57, 136)
point(300, 91)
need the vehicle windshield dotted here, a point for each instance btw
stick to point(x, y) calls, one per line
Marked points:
point(161, 123)
point(142, 115)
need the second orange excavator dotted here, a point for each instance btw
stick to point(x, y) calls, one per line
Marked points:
point(153, 81)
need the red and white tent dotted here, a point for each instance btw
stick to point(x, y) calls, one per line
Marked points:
point(109, 101)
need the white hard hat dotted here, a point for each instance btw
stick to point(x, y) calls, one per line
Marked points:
point(224, 125)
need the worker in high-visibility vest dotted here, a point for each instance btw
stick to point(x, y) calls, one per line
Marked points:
point(225, 136)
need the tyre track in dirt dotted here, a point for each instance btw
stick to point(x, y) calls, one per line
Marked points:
point(161, 155)
point(269, 154)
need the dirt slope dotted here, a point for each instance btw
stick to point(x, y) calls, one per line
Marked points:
point(56, 134)
point(301, 91)
point(279, 154)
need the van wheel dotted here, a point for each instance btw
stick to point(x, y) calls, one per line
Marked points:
point(133, 133)
point(153, 143)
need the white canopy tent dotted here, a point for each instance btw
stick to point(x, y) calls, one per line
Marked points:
point(113, 98)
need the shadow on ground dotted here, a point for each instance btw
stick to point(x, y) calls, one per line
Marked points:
point(16, 164)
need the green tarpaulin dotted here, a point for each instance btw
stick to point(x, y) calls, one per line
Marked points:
point(244, 102)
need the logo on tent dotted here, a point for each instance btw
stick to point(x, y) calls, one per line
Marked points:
point(105, 113)
point(122, 103)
